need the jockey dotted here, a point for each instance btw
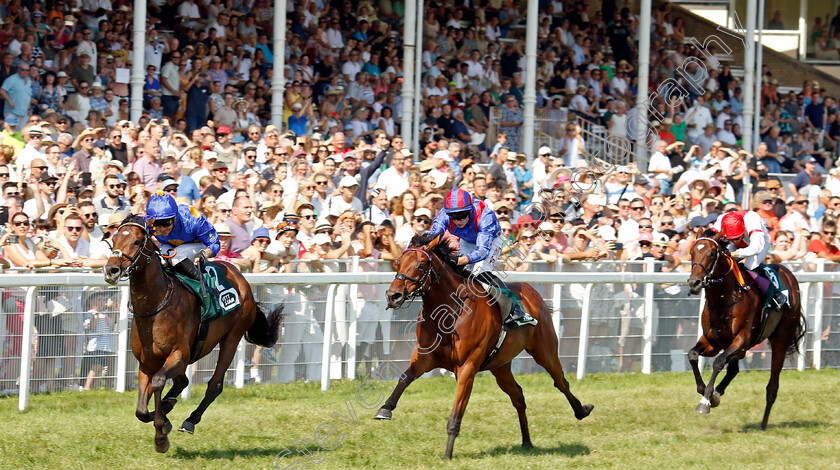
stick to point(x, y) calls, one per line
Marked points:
point(481, 242)
point(183, 227)
point(749, 239)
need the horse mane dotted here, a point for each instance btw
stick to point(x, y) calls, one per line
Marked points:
point(442, 250)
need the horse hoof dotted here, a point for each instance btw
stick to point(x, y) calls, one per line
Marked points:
point(587, 408)
point(383, 414)
point(715, 399)
point(145, 418)
point(162, 446)
point(187, 427)
point(703, 407)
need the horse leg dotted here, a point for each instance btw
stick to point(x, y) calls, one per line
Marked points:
point(546, 356)
point(179, 383)
point(144, 393)
point(227, 350)
point(174, 366)
point(702, 348)
point(729, 354)
point(506, 381)
point(466, 376)
point(420, 364)
point(777, 361)
point(731, 371)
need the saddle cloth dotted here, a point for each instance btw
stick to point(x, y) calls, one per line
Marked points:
point(222, 297)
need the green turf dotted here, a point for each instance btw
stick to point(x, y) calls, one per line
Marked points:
point(644, 422)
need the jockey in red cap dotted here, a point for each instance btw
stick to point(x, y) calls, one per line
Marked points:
point(749, 239)
point(481, 243)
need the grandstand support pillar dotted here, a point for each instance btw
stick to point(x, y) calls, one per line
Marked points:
point(644, 76)
point(749, 77)
point(758, 74)
point(529, 99)
point(409, 45)
point(138, 61)
point(418, 82)
point(278, 80)
point(803, 29)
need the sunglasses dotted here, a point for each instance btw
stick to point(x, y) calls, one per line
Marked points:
point(423, 220)
point(529, 237)
point(828, 233)
point(221, 170)
point(645, 226)
point(224, 211)
point(661, 245)
point(21, 223)
point(4, 175)
point(640, 208)
point(767, 201)
point(801, 202)
point(164, 222)
point(73, 228)
point(308, 217)
point(321, 183)
point(88, 216)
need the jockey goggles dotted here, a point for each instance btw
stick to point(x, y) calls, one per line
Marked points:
point(164, 222)
point(460, 215)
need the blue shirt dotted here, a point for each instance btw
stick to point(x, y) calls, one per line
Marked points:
point(298, 124)
point(188, 189)
point(192, 227)
point(20, 91)
point(488, 230)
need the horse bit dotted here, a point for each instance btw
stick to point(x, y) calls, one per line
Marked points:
point(426, 276)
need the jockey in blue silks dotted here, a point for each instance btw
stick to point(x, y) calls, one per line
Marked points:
point(184, 230)
point(481, 243)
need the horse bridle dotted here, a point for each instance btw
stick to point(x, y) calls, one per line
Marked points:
point(134, 261)
point(426, 278)
point(708, 279)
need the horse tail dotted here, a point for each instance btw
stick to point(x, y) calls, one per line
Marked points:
point(265, 331)
point(801, 329)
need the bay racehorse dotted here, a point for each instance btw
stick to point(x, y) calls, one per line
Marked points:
point(166, 323)
point(458, 328)
point(732, 320)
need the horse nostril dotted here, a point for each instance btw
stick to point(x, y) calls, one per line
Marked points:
point(113, 271)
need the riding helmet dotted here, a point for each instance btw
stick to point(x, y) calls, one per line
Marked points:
point(458, 200)
point(161, 206)
point(733, 226)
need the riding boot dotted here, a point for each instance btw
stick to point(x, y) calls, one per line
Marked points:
point(188, 268)
point(519, 317)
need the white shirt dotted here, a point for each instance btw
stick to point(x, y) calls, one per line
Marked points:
point(700, 116)
point(30, 208)
point(189, 9)
point(338, 206)
point(82, 247)
point(393, 184)
point(350, 69)
point(658, 161)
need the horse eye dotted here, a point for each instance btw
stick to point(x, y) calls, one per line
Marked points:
point(138, 242)
point(422, 266)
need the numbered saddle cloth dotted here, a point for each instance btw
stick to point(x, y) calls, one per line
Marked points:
point(222, 297)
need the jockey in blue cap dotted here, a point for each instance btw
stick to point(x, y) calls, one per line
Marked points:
point(481, 242)
point(184, 230)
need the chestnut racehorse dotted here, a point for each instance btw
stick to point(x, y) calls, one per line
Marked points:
point(732, 321)
point(166, 322)
point(458, 328)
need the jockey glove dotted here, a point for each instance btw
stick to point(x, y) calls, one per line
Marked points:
point(453, 258)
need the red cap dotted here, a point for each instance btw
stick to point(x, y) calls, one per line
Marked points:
point(223, 130)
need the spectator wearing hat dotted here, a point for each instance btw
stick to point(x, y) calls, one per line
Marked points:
point(219, 186)
point(346, 199)
point(421, 222)
point(32, 136)
point(804, 177)
point(40, 204)
point(223, 146)
point(256, 253)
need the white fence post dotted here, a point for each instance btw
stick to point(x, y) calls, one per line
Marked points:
point(186, 393)
point(803, 347)
point(583, 344)
point(701, 360)
point(239, 360)
point(556, 298)
point(325, 356)
point(122, 339)
point(353, 316)
point(26, 347)
point(818, 310)
point(647, 348)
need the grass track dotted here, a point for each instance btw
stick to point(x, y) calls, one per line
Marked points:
point(639, 422)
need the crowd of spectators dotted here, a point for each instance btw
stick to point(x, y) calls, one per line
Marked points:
point(337, 180)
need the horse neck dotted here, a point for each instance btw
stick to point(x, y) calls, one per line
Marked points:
point(145, 285)
point(438, 294)
point(717, 295)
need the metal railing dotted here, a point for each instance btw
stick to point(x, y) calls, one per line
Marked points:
point(549, 127)
point(609, 317)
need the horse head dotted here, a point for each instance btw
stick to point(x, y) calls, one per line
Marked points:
point(132, 249)
point(707, 256)
point(414, 274)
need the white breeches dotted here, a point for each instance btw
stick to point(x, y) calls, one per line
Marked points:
point(182, 252)
point(489, 263)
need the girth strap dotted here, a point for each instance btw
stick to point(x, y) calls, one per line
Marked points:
point(203, 329)
point(496, 348)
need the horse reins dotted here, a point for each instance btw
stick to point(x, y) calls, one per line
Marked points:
point(427, 276)
point(708, 279)
point(135, 265)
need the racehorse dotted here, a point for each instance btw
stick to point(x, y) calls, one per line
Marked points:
point(466, 331)
point(732, 321)
point(166, 323)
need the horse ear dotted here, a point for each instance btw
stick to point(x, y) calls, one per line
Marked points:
point(434, 243)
